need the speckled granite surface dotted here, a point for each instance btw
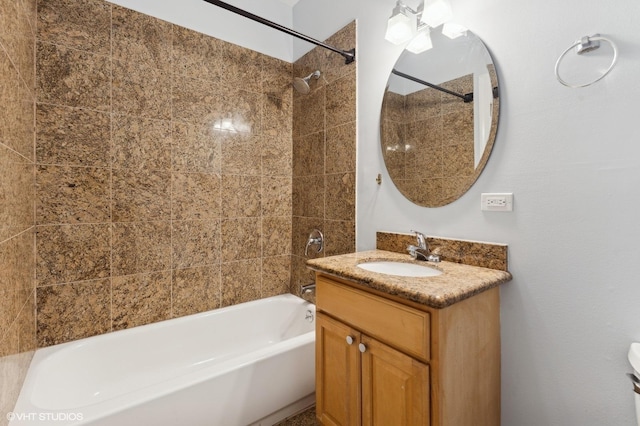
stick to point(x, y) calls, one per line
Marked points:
point(457, 281)
point(475, 253)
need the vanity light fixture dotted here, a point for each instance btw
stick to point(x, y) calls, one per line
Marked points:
point(401, 26)
point(453, 30)
point(407, 24)
point(421, 42)
point(436, 12)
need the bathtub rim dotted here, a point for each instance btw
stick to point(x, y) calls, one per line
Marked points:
point(148, 393)
point(48, 350)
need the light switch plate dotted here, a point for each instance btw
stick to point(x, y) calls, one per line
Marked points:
point(496, 202)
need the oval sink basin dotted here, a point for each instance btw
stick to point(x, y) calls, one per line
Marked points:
point(400, 269)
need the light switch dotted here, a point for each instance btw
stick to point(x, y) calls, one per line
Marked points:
point(496, 202)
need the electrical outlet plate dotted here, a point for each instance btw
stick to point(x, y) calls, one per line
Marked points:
point(496, 202)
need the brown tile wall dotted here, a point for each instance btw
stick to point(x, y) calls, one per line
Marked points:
point(137, 203)
point(439, 162)
point(163, 171)
point(324, 149)
point(17, 197)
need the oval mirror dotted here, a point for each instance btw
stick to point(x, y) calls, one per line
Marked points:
point(439, 118)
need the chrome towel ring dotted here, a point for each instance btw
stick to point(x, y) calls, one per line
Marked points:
point(584, 45)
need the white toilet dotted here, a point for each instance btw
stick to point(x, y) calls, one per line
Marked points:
point(634, 359)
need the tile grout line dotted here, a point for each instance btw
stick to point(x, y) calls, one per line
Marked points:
point(262, 180)
point(110, 165)
point(171, 177)
point(34, 193)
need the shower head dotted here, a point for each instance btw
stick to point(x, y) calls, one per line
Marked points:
point(302, 84)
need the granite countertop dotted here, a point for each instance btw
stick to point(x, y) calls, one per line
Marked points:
point(457, 281)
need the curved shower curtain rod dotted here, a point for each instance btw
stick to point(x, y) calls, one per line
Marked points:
point(348, 55)
point(467, 97)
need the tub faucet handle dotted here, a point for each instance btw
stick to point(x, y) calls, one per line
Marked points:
point(315, 239)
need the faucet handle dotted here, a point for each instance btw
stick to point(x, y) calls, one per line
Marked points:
point(422, 240)
point(315, 239)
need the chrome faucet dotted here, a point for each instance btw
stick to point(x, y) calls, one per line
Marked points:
point(307, 288)
point(421, 251)
point(422, 240)
point(315, 239)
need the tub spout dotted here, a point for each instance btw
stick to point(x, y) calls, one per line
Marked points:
point(307, 288)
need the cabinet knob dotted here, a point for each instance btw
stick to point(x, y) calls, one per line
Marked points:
point(350, 340)
point(362, 347)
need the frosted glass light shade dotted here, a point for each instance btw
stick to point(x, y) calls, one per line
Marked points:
point(421, 42)
point(400, 28)
point(453, 30)
point(436, 12)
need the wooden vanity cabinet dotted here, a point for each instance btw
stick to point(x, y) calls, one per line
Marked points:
point(384, 361)
point(356, 373)
point(337, 373)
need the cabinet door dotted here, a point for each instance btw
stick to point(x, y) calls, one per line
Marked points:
point(337, 373)
point(395, 387)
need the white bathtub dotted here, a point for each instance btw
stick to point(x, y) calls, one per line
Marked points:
point(251, 363)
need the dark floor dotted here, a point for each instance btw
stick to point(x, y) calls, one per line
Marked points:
point(305, 418)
